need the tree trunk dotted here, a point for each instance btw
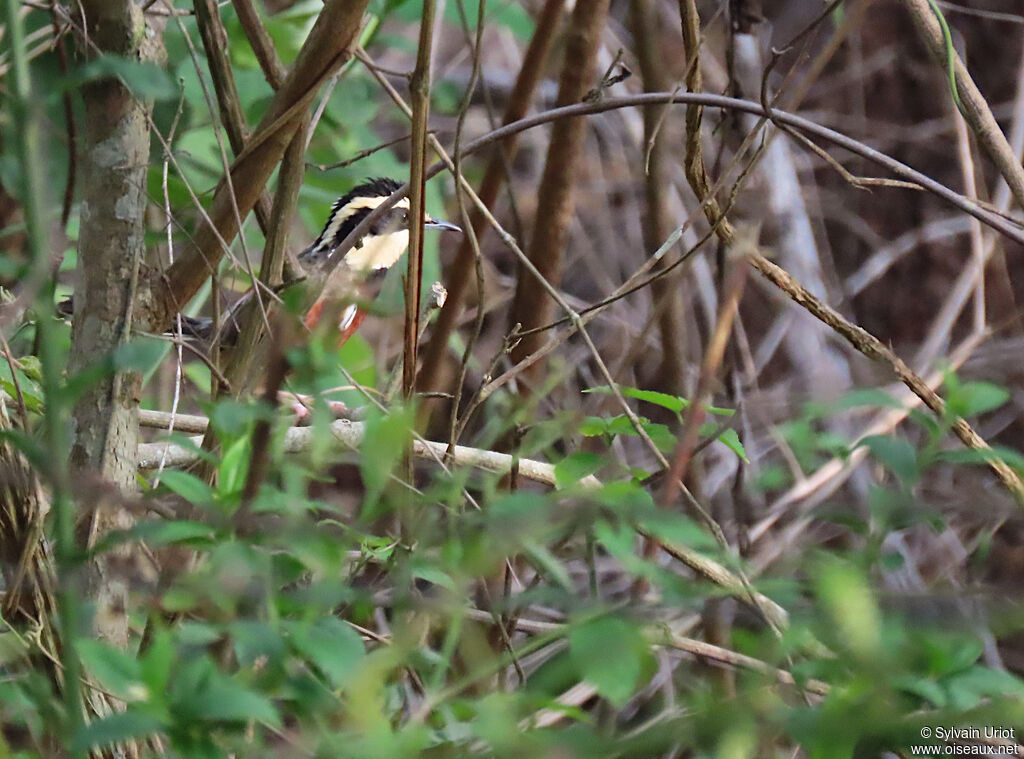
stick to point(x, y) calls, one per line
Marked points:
point(115, 156)
point(657, 224)
point(532, 306)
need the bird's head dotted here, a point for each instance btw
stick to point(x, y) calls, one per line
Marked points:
point(387, 238)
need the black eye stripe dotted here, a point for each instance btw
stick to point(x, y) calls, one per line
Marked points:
point(331, 237)
point(393, 220)
point(343, 229)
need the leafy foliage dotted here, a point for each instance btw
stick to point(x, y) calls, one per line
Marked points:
point(374, 601)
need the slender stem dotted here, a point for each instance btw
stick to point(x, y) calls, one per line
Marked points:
point(419, 88)
point(56, 417)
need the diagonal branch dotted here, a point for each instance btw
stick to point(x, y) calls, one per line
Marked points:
point(970, 100)
point(457, 275)
point(531, 306)
point(876, 350)
point(325, 50)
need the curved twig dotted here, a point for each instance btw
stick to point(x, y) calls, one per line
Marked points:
point(965, 204)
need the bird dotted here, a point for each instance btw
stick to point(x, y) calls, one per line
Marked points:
point(362, 266)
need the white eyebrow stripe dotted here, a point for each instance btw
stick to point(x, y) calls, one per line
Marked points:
point(358, 204)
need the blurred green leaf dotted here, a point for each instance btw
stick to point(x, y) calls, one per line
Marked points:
point(331, 645)
point(846, 595)
point(386, 438)
point(143, 79)
point(575, 467)
point(731, 439)
point(225, 700)
point(973, 398)
point(1011, 456)
point(872, 396)
point(113, 669)
point(139, 354)
point(119, 727)
point(967, 689)
point(234, 467)
point(172, 532)
point(156, 663)
point(898, 456)
point(188, 486)
point(612, 655)
point(673, 403)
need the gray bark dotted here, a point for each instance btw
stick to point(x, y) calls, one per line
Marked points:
point(105, 427)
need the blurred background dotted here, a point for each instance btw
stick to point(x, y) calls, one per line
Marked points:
point(805, 466)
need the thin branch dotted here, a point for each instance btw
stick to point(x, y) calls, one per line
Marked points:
point(971, 102)
point(874, 349)
point(1007, 228)
point(419, 90)
point(350, 435)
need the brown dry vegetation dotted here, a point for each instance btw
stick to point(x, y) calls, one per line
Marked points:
point(834, 527)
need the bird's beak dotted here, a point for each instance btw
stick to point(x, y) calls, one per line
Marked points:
point(432, 223)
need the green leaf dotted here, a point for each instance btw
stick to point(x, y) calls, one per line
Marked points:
point(143, 79)
point(512, 16)
point(187, 485)
point(430, 572)
point(225, 700)
point(973, 398)
point(234, 467)
point(139, 354)
point(898, 456)
point(612, 655)
point(156, 663)
point(673, 403)
point(1011, 456)
point(12, 648)
point(255, 641)
point(575, 467)
point(170, 533)
point(625, 495)
point(27, 373)
point(968, 688)
point(871, 396)
point(847, 596)
point(593, 426)
point(673, 528)
point(113, 669)
point(115, 728)
point(924, 688)
point(331, 645)
point(385, 439)
point(731, 439)
point(542, 558)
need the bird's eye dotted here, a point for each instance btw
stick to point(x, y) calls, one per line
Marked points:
point(405, 217)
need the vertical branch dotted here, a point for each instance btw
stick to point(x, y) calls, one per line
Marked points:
point(459, 275)
point(115, 155)
point(55, 420)
point(657, 227)
point(696, 171)
point(215, 45)
point(532, 307)
point(971, 102)
point(419, 88)
point(272, 264)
